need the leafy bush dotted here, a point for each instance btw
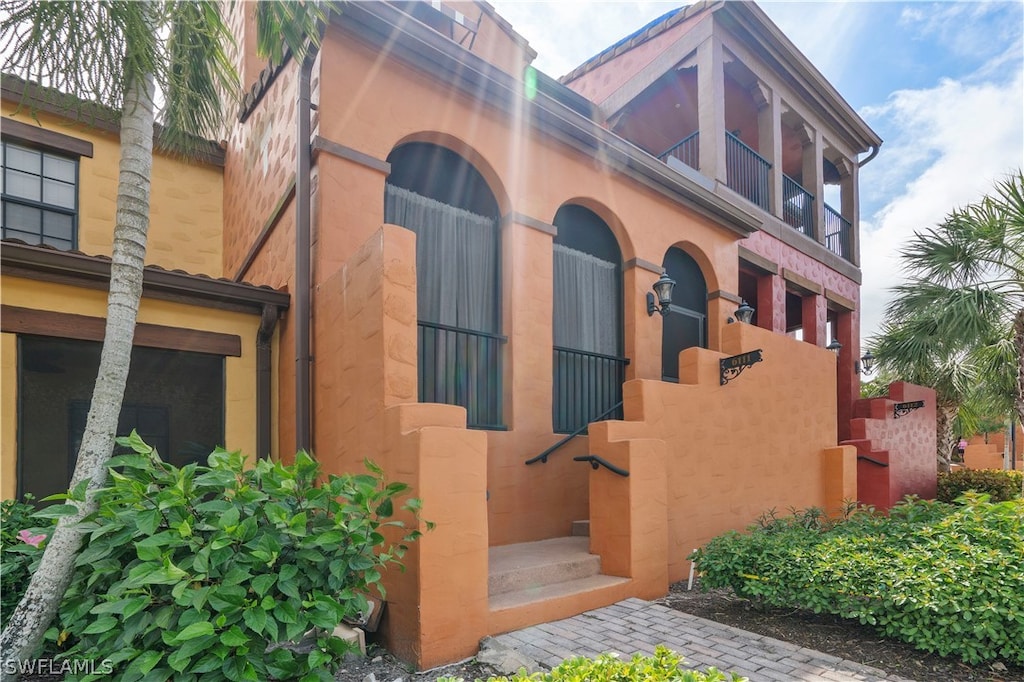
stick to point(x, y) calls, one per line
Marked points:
point(211, 571)
point(664, 666)
point(21, 541)
point(947, 579)
point(1001, 485)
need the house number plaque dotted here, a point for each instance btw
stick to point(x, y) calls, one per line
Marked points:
point(732, 366)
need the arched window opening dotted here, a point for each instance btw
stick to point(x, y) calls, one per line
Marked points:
point(686, 324)
point(588, 365)
point(438, 195)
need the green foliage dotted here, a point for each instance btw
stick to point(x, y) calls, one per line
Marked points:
point(664, 666)
point(947, 579)
point(209, 572)
point(999, 485)
point(18, 557)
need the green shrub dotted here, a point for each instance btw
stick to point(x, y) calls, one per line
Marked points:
point(204, 572)
point(21, 541)
point(1001, 485)
point(664, 666)
point(947, 579)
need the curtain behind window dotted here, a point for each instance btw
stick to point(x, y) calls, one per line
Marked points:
point(586, 302)
point(456, 260)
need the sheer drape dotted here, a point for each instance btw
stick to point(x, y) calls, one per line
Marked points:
point(586, 302)
point(456, 260)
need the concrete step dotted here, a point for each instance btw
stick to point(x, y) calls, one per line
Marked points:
point(581, 529)
point(570, 591)
point(533, 565)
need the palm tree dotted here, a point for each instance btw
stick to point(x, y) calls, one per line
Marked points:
point(118, 53)
point(957, 324)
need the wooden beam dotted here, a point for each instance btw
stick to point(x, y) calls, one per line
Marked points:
point(17, 320)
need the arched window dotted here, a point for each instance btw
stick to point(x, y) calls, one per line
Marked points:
point(588, 365)
point(438, 195)
point(686, 324)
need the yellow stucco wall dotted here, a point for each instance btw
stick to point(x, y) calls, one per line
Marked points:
point(239, 372)
point(186, 210)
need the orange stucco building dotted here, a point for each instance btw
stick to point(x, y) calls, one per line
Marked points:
point(469, 248)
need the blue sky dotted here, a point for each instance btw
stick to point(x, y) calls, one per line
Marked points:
point(941, 82)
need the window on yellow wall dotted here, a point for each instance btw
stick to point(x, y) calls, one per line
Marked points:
point(40, 196)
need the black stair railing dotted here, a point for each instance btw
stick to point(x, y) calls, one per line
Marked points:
point(597, 462)
point(543, 457)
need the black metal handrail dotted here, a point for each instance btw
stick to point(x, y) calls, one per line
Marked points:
point(461, 367)
point(543, 457)
point(687, 150)
point(873, 461)
point(797, 206)
point(837, 233)
point(585, 384)
point(596, 462)
point(747, 171)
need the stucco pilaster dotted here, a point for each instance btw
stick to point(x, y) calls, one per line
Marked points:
point(711, 108)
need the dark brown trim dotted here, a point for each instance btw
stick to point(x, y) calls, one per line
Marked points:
point(321, 144)
point(801, 282)
point(264, 385)
point(527, 221)
point(268, 229)
point(725, 295)
point(840, 300)
point(644, 265)
point(43, 137)
point(759, 263)
point(77, 269)
point(16, 320)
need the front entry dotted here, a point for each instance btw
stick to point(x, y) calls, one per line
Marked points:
point(686, 324)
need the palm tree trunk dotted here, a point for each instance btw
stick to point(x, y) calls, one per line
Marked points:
point(945, 414)
point(21, 638)
point(1018, 341)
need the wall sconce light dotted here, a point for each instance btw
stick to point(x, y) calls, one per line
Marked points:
point(663, 289)
point(835, 346)
point(745, 313)
point(866, 364)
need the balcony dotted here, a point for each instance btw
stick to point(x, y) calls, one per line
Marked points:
point(749, 175)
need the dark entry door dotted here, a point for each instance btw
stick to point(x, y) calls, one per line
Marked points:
point(685, 325)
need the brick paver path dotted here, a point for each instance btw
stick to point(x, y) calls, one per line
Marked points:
point(637, 626)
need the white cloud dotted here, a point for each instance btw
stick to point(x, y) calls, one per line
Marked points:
point(951, 143)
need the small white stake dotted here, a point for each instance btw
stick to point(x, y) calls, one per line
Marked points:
point(689, 583)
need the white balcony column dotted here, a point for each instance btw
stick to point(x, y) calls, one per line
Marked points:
point(769, 139)
point(849, 190)
point(711, 108)
point(814, 175)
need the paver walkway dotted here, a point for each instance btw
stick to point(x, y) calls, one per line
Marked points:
point(637, 626)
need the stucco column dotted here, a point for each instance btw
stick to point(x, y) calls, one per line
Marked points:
point(769, 139)
point(642, 331)
point(847, 385)
point(528, 307)
point(814, 313)
point(771, 303)
point(711, 108)
point(849, 189)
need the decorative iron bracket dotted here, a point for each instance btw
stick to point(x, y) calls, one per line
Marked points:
point(732, 366)
point(903, 409)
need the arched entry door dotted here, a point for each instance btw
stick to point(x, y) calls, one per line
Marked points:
point(686, 324)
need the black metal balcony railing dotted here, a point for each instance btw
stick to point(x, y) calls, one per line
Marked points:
point(461, 367)
point(587, 385)
point(797, 206)
point(747, 171)
point(686, 150)
point(838, 231)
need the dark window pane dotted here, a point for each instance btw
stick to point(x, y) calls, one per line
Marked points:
point(23, 218)
point(58, 168)
point(58, 193)
point(58, 225)
point(20, 158)
point(22, 185)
